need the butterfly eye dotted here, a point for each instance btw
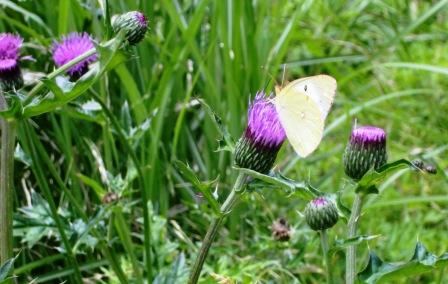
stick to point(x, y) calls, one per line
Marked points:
point(305, 88)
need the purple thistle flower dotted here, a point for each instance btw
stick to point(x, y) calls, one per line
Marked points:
point(319, 201)
point(263, 137)
point(70, 47)
point(366, 149)
point(368, 135)
point(10, 74)
point(141, 18)
point(264, 127)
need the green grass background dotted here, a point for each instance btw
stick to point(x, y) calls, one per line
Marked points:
point(390, 59)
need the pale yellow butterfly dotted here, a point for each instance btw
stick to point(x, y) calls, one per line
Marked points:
point(302, 107)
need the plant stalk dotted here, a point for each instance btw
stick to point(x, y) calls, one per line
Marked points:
point(324, 243)
point(8, 138)
point(350, 271)
point(35, 90)
point(228, 205)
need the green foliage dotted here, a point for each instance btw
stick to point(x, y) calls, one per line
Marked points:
point(378, 271)
point(182, 94)
point(6, 269)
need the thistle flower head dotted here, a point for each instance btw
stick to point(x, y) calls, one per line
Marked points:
point(263, 137)
point(10, 74)
point(366, 149)
point(264, 127)
point(321, 214)
point(70, 47)
point(368, 135)
point(134, 24)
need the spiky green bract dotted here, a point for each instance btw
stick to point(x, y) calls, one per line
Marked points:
point(365, 150)
point(258, 147)
point(321, 214)
point(134, 23)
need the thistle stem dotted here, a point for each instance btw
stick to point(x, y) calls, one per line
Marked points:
point(324, 244)
point(8, 138)
point(35, 90)
point(350, 271)
point(228, 205)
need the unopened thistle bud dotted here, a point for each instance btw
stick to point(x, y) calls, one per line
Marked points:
point(258, 147)
point(133, 23)
point(365, 150)
point(10, 73)
point(321, 214)
point(70, 47)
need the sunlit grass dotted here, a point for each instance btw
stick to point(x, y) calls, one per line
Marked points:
point(391, 62)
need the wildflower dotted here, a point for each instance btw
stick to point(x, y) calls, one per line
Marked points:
point(10, 73)
point(70, 47)
point(134, 23)
point(321, 214)
point(263, 137)
point(365, 150)
point(281, 230)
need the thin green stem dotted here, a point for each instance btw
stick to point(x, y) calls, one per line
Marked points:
point(229, 203)
point(108, 252)
point(34, 91)
point(350, 271)
point(145, 198)
point(40, 176)
point(8, 139)
point(324, 244)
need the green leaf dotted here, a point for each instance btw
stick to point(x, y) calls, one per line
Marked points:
point(342, 244)
point(370, 180)
point(277, 180)
point(14, 106)
point(203, 187)
point(378, 271)
point(6, 268)
point(228, 144)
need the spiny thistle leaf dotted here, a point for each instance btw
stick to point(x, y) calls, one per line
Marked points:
point(277, 180)
point(378, 271)
point(371, 179)
point(228, 144)
point(342, 244)
point(203, 187)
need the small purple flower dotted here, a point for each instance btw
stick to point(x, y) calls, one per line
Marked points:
point(319, 201)
point(70, 47)
point(10, 74)
point(141, 18)
point(264, 127)
point(263, 137)
point(366, 149)
point(368, 135)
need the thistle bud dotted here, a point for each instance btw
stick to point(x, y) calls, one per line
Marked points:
point(133, 23)
point(10, 73)
point(258, 147)
point(365, 150)
point(321, 214)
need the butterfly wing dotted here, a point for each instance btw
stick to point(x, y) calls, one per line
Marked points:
point(301, 119)
point(321, 89)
